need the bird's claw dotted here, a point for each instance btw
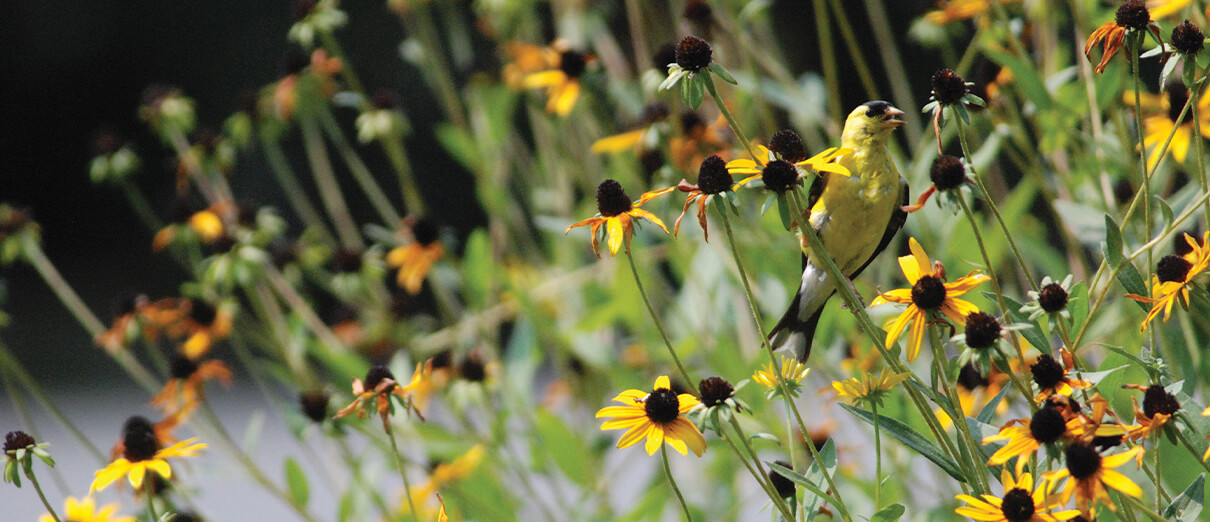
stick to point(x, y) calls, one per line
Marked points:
point(856, 294)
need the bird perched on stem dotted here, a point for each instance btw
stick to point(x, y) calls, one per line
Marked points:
point(855, 216)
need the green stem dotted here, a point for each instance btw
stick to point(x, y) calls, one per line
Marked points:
point(51, 276)
point(150, 494)
point(365, 179)
point(325, 180)
point(402, 470)
point(1159, 479)
point(1138, 504)
point(761, 477)
point(827, 55)
point(776, 364)
point(770, 490)
point(14, 367)
point(672, 482)
point(284, 174)
point(991, 205)
point(1194, 94)
point(973, 452)
point(722, 108)
point(855, 306)
point(877, 458)
point(658, 324)
point(33, 479)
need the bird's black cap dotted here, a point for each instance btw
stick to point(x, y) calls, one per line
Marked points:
point(876, 108)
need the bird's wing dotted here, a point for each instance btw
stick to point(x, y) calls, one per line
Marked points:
point(898, 218)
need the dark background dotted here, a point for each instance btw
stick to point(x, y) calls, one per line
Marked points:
point(68, 68)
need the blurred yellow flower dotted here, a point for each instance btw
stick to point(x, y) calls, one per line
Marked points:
point(85, 510)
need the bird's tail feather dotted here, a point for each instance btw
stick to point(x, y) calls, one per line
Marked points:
point(795, 331)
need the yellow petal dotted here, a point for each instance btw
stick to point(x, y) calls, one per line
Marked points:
point(663, 383)
point(615, 233)
point(137, 471)
point(1120, 482)
point(618, 142)
point(635, 434)
point(922, 258)
point(655, 438)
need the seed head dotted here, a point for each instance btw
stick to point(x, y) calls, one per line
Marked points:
point(713, 177)
point(947, 172)
point(948, 87)
point(693, 54)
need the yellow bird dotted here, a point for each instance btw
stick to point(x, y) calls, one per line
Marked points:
point(855, 216)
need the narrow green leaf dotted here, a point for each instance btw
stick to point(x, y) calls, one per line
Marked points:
point(1169, 217)
point(1113, 243)
point(890, 513)
point(811, 501)
point(723, 73)
point(1077, 304)
point(912, 439)
point(296, 481)
point(989, 409)
point(797, 478)
point(1133, 282)
point(765, 436)
point(1188, 505)
point(693, 91)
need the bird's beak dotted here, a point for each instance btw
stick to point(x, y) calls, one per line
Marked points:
point(891, 115)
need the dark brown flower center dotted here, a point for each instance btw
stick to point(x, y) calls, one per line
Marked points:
point(699, 12)
point(783, 486)
point(425, 231)
point(1172, 268)
point(780, 176)
point(970, 378)
point(572, 64)
point(138, 438)
point(928, 293)
point(713, 177)
point(982, 330)
point(472, 369)
point(1157, 400)
point(347, 261)
point(1133, 15)
point(15, 440)
point(788, 146)
point(1047, 425)
point(947, 172)
point(654, 112)
point(1187, 38)
point(1047, 372)
point(314, 404)
point(662, 406)
point(693, 53)
point(1082, 460)
point(948, 87)
point(375, 376)
point(611, 199)
point(202, 312)
point(714, 391)
point(1018, 505)
point(181, 367)
point(1052, 298)
point(663, 57)
point(384, 99)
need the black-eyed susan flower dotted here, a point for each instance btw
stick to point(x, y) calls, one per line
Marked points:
point(792, 374)
point(415, 259)
point(981, 339)
point(1089, 474)
point(657, 416)
point(618, 216)
point(1025, 436)
point(1173, 275)
point(1052, 377)
point(868, 388)
point(1021, 502)
point(645, 136)
point(314, 404)
point(85, 510)
point(783, 178)
point(142, 452)
point(443, 473)
point(380, 387)
point(560, 77)
point(19, 451)
point(1164, 115)
point(694, 63)
point(950, 93)
point(784, 487)
point(1158, 407)
point(928, 296)
point(204, 324)
point(1131, 16)
point(183, 392)
point(713, 179)
point(205, 225)
point(948, 173)
point(1051, 298)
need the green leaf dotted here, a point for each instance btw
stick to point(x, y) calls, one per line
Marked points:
point(1034, 334)
point(564, 447)
point(783, 211)
point(912, 439)
point(1133, 282)
point(1077, 304)
point(694, 91)
point(1187, 505)
point(765, 436)
point(723, 73)
point(296, 481)
point(477, 268)
point(1169, 217)
point(989, 409)
point(797, 478)
point(1113, 243)
point(890, 513)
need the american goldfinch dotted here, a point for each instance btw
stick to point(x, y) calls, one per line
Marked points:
point(855, 216)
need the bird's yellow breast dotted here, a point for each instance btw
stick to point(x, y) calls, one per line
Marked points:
point(852, 212)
